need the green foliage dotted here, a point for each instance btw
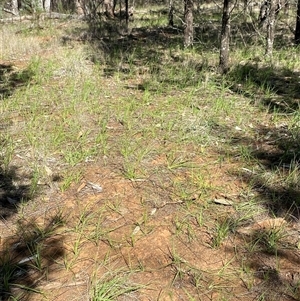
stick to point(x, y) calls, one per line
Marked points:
point(113, 285)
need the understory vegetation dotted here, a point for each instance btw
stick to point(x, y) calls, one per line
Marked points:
point(132, 170)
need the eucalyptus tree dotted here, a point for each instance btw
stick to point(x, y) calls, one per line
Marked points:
point(189, 23)
point(225, 38)
point(297, 31)
point(271, 20)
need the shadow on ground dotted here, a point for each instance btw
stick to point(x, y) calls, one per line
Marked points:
point(269, 264)
point(12, 194)
point(271, 155)
point(279, 89)
point(154, 49)
point(10, 79)
point(28, 257)
point(141, 51)
point(275, 149)
point(14, 187)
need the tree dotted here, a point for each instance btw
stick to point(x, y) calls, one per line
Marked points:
point(267, 19)
point(127, 13)
point(47, 5)
point(271, 18)
point(225, 38)
point(109, 7)
point(297, 31)
point(13, 8)
point(189, 23)
point(171, 13)
point(78, 7)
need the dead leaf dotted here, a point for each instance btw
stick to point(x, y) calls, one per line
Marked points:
point(81, 187)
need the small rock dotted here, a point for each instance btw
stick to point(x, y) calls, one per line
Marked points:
point(49, 172)
point(136, 230)
point(153, 211)
point(223, 202)
point(95, 186)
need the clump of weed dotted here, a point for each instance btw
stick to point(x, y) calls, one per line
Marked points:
point(113, 285)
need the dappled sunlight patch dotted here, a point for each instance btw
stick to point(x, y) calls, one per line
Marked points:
point(28, 256)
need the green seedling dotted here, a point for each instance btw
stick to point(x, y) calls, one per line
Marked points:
point(222, 230)
point(70, 178)
point(112, 286)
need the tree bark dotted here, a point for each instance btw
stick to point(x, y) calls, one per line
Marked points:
point(171, 13)
point(270, 28)
point(78, 7)
point(189, 23)
point(297, 31)
point(109, 6)
point(37, 6)
point(47, 6)
point(127, 14)
point(14, 7)
point(225, 39)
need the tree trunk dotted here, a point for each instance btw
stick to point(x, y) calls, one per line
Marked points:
point(109, 8)
point(225, 39)
point(189, 22)
point(270, 28)
point(126, 14)
point(78, 7)
point(47, 5)
point(245, 6)
point(14, 8)
point(37, 6)
point(171, 13)
point(297, 32)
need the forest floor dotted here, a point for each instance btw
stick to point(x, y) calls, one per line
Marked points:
point(131, 170)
